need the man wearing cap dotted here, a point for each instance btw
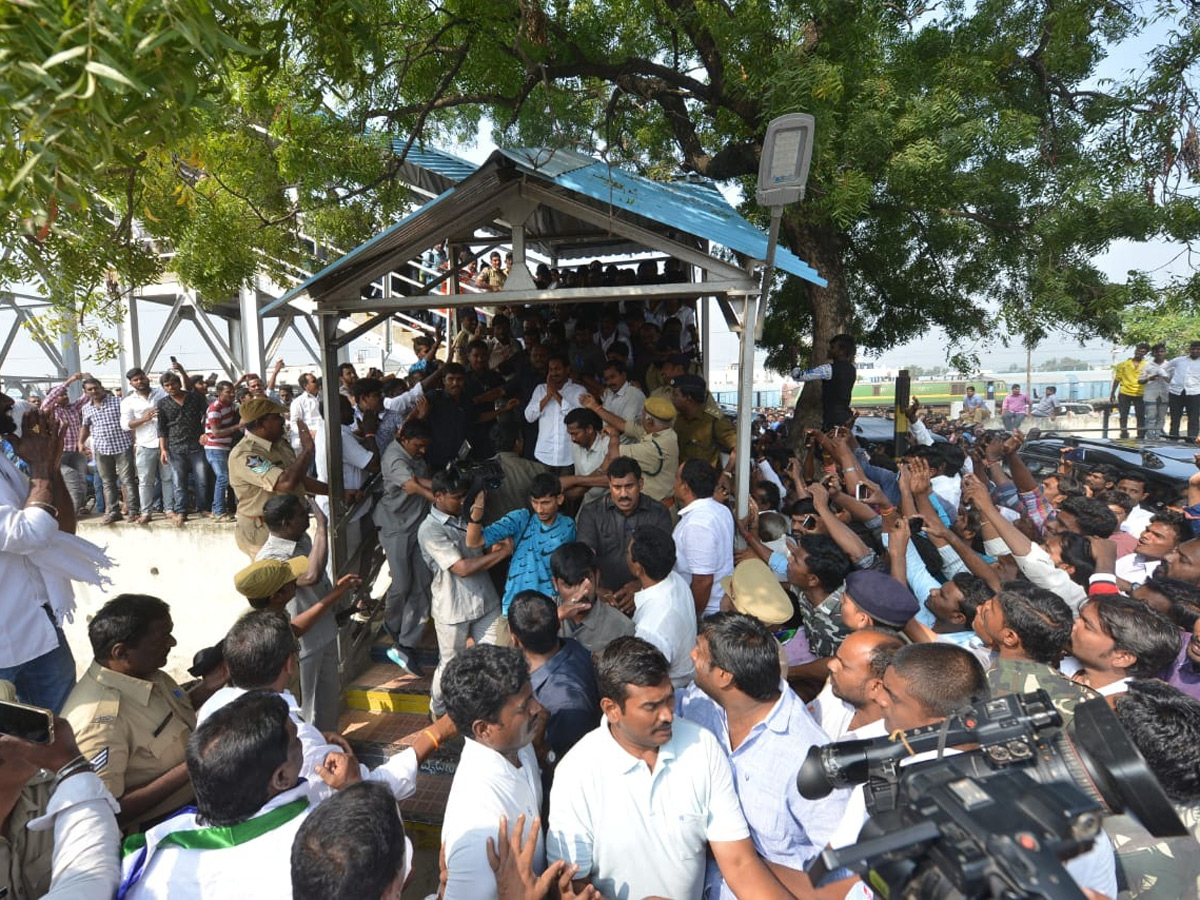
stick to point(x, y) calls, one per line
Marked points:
point(664, 613)
point(263, 464)
point(703, 435)
point(873, 598)
point(759, 722)
point(754, 590)
point(654, 445)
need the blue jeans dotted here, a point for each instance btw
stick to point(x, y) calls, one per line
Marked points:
point(46, 680)
point(181, 463)
point(219, 460)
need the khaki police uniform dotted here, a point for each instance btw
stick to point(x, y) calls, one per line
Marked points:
point(254, 467)
point(26, 856)
point(132, 730)
point(658, 455)
point(704, 437)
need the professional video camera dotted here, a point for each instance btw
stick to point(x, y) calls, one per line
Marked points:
point(477, 475)
point(995, 821)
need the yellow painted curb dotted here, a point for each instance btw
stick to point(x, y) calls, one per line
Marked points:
point(386, 701)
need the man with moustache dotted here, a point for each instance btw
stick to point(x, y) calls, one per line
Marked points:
point(642, 768)
point(846, 709)
point(139, 415)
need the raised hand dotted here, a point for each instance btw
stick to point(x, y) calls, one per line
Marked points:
point(511, 858)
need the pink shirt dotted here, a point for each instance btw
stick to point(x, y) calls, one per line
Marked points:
point(1016, 403)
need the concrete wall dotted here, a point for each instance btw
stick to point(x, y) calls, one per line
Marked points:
point(191, 568)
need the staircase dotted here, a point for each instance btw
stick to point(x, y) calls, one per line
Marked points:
point(383, 705)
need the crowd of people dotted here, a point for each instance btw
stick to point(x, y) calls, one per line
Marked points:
point(632, 671)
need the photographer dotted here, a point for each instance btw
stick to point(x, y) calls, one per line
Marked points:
point(464, 601)
point(926, 684)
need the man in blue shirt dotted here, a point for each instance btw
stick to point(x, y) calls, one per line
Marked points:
point(562, 674)
point(758, 720)
point(536, 532)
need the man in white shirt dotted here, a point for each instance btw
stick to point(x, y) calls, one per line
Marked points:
point(139, 415)
point(622, 397)
point(489, 698)
point(1183, 391)
point(663, 611)
point(306, 408)
point(638, 801)
point(39, 557)
point(548, 407)
point(1139, 517)
point(703, 537)
point(589, 454)
point(244, 763)
point(261, 654)
point(847, 707)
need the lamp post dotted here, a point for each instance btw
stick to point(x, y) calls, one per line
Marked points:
point(782, 175)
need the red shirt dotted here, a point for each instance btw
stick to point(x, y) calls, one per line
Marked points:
point(219, 416)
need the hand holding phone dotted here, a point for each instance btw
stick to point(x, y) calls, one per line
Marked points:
point(27, 723)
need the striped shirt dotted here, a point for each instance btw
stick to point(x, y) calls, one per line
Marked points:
point(219, 416)
point(103, 420)
point(69, 416)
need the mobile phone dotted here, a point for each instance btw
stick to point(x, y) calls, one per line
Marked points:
point(174, 361)
point(29, 723)
point(916, 523)
point(861, 491)
point(809, 522)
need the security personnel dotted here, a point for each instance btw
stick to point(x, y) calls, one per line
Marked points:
point(656, 449)
point(130, 718)
point(702, 434)
point(655, 446)
point(262, 465)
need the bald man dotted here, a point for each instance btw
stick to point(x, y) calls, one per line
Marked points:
point(846, 709)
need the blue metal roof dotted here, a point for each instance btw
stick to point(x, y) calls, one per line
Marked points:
point(449, 166)
point(695, 208)
point(687, 206)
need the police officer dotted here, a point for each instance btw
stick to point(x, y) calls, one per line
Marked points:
point(702, 434)
point(130, 718)
point(263, 464)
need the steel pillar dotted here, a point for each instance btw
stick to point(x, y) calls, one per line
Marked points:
point(253, 352)
point(745, 404)
point(330, 344)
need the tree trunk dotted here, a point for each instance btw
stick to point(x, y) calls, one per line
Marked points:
point(832, 311)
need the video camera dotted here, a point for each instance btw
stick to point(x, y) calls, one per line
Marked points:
point(996, 821)
point(474, 475)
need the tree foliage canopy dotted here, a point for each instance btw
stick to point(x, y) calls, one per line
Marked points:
point(968, 156)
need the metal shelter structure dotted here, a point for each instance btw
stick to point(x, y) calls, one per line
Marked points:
point(562, 205)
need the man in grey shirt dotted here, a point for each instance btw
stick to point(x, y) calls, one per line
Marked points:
point(465, 603)
point(607, 526)
point(584, 616)
point(398, 514)
point(286, 517)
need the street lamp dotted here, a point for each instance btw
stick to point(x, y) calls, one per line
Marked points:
point(782, 175)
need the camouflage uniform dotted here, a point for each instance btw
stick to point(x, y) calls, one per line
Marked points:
point(823, 624)
point(1157, 868)
point(1020, 676)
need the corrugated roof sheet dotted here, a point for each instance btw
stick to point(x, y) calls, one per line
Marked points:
point(686, 206)
point(695, 208)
